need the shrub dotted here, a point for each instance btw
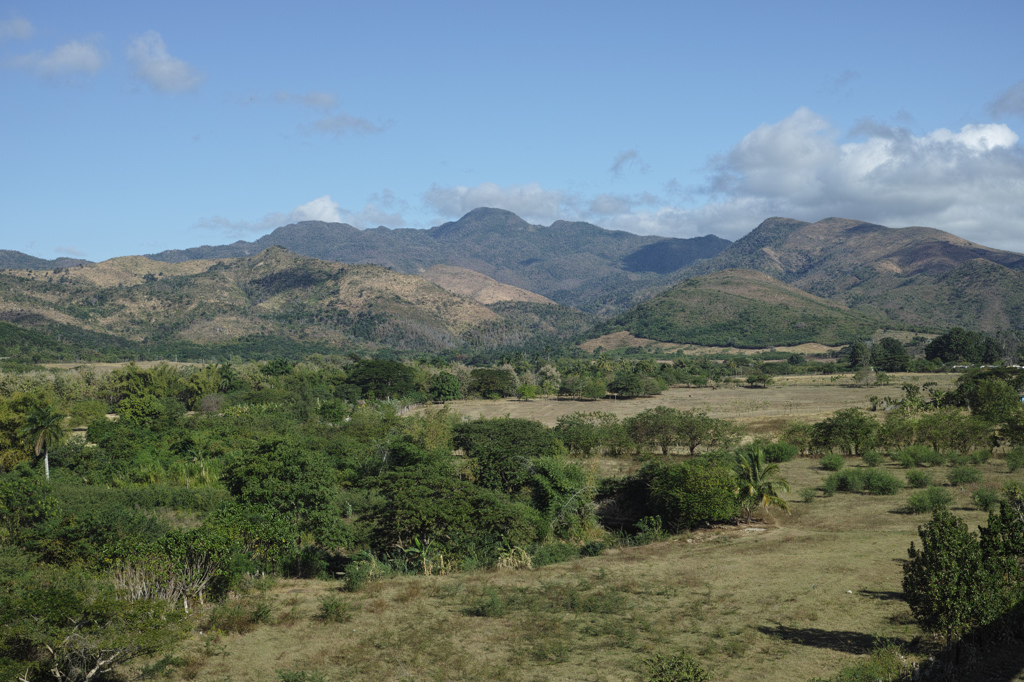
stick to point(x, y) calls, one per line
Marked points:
point(648, 530)
point(847, 481)
point(905, 458)
point(1015, 458)
point(554, 553)
point(685, 495)
point(918, 479)
point(962, 475)
point(932, 499)
point(985, 499)
point(808, 494)
point(780, 452)
point(932, 458)
point(832, 461)
point(981, 456)
point(334, 609)
point(880, 482)
point(681, 667)
point(872, 458)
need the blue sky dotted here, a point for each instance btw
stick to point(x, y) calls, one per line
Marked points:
point(132, 127)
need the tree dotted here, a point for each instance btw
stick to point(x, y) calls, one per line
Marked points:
point(759, 484)
point(961, 345)
point(42, 430)
point(444, 387)
point(889, 355)
point(656, 427)
point(697, 429)
point(946, 583)
point(859, 354)
point(761, 379)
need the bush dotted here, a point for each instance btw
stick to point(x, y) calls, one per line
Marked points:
point(1015, 458)
point(688, 494)
point(962, 475)
point(808, 494)
point(918, 479)
point(334, 609)
point(981, 456)
point(780, 452)
point(847, 481)
point(872, 458)
point(985, 499)
point(880, 482)
point(681, 667)
point(833, 461)
point(553, 553)
point(929, 500)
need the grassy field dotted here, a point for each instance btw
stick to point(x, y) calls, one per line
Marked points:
point(808, 398)
point(790, 597)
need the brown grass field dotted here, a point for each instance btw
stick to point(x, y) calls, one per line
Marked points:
point(790, 597)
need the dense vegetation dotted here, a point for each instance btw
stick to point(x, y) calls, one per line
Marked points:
point(207, 476)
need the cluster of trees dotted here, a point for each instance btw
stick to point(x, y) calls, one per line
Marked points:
point(280, 471)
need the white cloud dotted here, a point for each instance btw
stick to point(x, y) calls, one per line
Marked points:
point(380, 210)
point(969, 182)
point(153, 64)
point(629, 158)
point(313, 99)
point(342, 124)
point(530, 201)
point(322, 208)
point(72, 58)
point(1009, 103)
point(70, 251)
point(16, 29)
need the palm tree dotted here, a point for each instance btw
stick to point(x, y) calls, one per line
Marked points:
point(759, 484)
point(43, 429)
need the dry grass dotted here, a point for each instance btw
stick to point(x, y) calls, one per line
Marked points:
point(792, 598)
point(794, 398)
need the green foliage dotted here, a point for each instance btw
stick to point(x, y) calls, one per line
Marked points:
point(461, 518)
point(872, 481)
point(502, 450)
point(445, 386)
point(681, 667)
point(807, 495)
point(886, 664)
point(705, 311)
point(759, 485)
point(962, 475)
point(849, 430)
point(934, 498)
point(963, 346)
point(946, 582)
point(780, 452)
point(689, 494)
point(492, 383)
point(382, 379)
point(918, 479)
point(889, 355)
point(872, 458)
point(985, 499)
point(292, 480)
point(335, 609)
point(833, 461)
point(1015, 458)
point(71, 625)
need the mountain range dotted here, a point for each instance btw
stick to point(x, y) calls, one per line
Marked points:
point(492, 280)
point(572, 263)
